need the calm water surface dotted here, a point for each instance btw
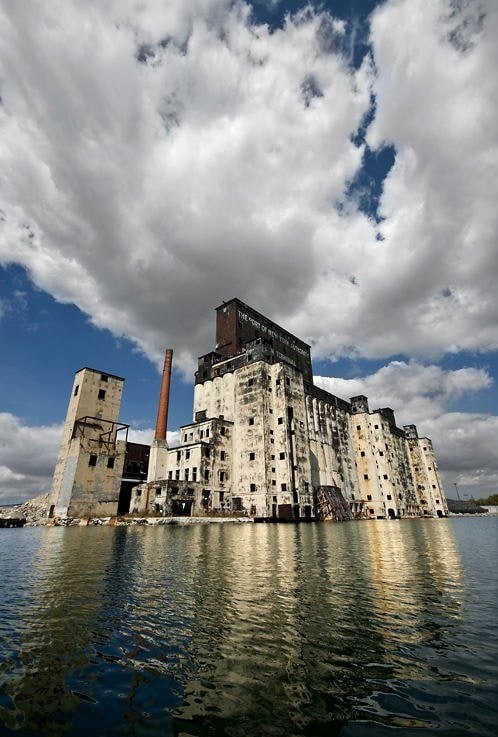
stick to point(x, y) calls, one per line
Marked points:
point(366, 628)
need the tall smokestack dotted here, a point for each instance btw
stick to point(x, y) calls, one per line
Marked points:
point(162, 410)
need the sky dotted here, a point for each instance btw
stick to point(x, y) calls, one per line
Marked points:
point(334, 165)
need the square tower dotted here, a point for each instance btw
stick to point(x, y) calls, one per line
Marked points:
point(91, 457)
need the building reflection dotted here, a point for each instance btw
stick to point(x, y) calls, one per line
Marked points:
point(55, 630)
point(219, 629)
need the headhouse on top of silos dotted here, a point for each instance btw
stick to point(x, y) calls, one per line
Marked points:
point(266, 443)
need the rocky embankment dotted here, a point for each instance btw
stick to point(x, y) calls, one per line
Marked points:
point(34, 511)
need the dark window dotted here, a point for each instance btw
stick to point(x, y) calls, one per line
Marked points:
point(272, 458)
point(437, 501)
point(207, 451)
point(273, 470)
point(101, 393)
point(222, 475)
point(222, 455)
point(207, 432)
point(170, 474)
point(187, 455)
point(139, 492)
point(251, 420)
point(103, 377)
point(250, 382)
point(237, 504)
point(365, 476)
point(185, 438)
point(376, 427)
point(273, 482)
point(271, 432)
point(178, 455)
point(369, 497)
point(252, 487)
point(222, 430)
point(381, 452)
point(202, 433)
point(429, 468)
point(194, 473)
point(252, 456)
point(158, 491)
point(177, 474)
point(206, 475)
point(433, 486)
point(110, 462)
point(283, 487)
point(76, 390)
point(362, 453)
point(424, 448)
point(280, 420)
point(277, 382)
point(92, 461)
point(287, 381)
point(282, 456)
point(186, 474)
point(385, 475)
point(222, 496)
point(389, 496)
point(358, 427)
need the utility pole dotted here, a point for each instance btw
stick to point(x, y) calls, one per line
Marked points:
point(456, 489)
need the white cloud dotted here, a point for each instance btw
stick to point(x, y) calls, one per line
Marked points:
point(27, 458)
point(465, 442)
point(159, 157)
point(146, 436)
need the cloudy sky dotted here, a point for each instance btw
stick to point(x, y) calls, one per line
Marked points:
point(334, 165)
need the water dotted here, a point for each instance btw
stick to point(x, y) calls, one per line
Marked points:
point(361, 628)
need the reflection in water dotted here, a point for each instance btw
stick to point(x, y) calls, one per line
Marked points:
point(319, 629)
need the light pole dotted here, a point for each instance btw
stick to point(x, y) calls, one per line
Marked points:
point(456, 489)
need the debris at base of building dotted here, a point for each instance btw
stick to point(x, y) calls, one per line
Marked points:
point(265, 443)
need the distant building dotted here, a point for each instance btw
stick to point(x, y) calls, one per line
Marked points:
point(267, 443)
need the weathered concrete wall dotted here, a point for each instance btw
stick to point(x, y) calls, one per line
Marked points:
point(427, 482)
point(90, 461)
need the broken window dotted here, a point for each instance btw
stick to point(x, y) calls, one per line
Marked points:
point(101, 393)
point(110, 462)
point(92, 461)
